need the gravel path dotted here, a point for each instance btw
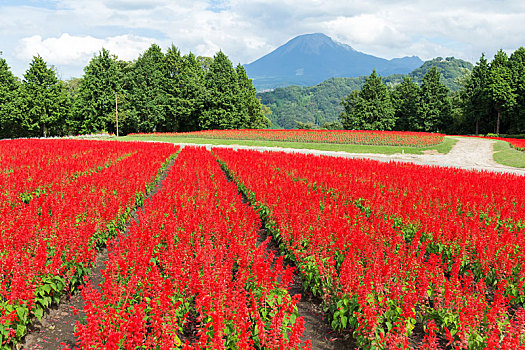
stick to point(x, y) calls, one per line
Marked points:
point(468, 153)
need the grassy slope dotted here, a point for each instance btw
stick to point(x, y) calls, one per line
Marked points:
point(506, 155)
point(444, 147)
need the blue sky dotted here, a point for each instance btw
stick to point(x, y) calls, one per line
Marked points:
point(67, 33)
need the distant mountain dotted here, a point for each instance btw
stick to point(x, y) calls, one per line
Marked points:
point(311, 58)
point(320, 103)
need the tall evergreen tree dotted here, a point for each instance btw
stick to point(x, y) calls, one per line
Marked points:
point(499, 87)
point(222, 96)
point(476, 107)
point(147, 95)
point(94, 108)
point(250, 106)
point(173, 70)
point(406, 98)
point(10, 118)
point(369, 109)
point(435, 111)
point(44, 100)
point(517, 71)
point(192, 93)
point(185, 87)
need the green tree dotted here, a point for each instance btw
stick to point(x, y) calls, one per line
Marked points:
point(369, 109)
point(499, 87)
point(517, 71)
point(406, 99)
point(435, 109)
point(94, 108)
point(222, 109)
point(147, 96)
point(44, 101)
point(10, 118)
point(186, 91)
point(476, 107)
point(250, 106)
point(204, 62)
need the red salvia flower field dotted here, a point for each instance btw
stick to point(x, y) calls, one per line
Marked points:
point(192, 261)
point(60, 201)
point(357, 137)
point(402, 256)
point(398, 250)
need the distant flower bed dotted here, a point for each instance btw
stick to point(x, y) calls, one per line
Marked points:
point(518, 144)
point(356, 137)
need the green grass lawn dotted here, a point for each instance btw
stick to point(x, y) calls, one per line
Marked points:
point(444, 147)
point(506, 155)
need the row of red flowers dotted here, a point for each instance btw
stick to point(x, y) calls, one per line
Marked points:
point(60, 201)
point(358, 137)
point(189, 273)
point(393, 248)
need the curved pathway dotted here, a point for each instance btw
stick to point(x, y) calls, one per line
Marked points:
point(468, 153)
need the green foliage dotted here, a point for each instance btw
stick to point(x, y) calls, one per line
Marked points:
point(494, 95)
point(9, 116)
point(251, 109)
point(406, 98)
point(501, 94)
point(451, 70)
point(370, 108)
point(435, 109)
point(42, 101)
point(94, 107)
point(171, 92)
point(317, 104)
point(146, 94)
point(321, 103)
point(223, 105)
point(186, 90)
point(516, 65)
point(476, 108)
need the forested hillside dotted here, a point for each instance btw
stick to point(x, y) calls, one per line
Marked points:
point(157, 92)
point(491, 100)
point(320, 104)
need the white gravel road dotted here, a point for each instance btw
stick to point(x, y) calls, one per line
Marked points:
point(468, 153)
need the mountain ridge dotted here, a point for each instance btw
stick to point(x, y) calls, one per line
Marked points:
point(321, 103)
point(309, 59)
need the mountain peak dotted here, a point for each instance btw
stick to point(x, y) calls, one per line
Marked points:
point(309, 59)
point(312, 43)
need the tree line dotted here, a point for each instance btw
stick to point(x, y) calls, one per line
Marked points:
point(158, 92)
point(491, 100)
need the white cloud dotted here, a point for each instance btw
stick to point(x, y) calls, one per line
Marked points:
point(69, 50)
point(71, 31)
